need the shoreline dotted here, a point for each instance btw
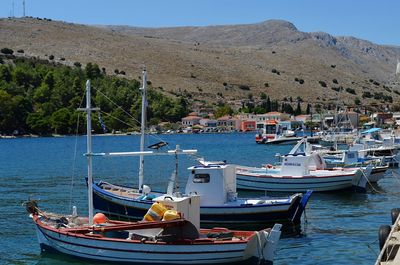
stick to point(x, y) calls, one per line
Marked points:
point(107, 134)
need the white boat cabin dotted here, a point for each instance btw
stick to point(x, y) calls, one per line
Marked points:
point(301, 164)
point(301, 160)
point(188, 206)
point(350, 157)
point(214, 183)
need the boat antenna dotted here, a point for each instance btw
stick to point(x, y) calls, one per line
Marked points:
point(142, 130)
point(89, 153)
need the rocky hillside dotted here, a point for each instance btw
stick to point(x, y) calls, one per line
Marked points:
point(221, 62)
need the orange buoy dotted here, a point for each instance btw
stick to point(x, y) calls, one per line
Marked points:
point(100, 218)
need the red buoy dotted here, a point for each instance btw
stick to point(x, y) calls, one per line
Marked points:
point(99, 218)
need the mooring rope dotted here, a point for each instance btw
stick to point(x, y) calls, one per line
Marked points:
point(369, 245)
point(369, 182)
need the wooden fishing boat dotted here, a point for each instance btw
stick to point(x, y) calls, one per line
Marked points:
point(219, 204)
point(159, 241)
point(216, 185)
point(350, 160)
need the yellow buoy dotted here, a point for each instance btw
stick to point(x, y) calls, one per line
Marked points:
point(171, 215)
point(155, 213)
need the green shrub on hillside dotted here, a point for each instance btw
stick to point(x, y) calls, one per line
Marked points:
point(244, 87)
point(351, 91)
point(6, 51)
point(367, 94)
point(322, 83)
point(40, 97)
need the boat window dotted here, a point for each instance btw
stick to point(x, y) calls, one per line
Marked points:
point(201, 178)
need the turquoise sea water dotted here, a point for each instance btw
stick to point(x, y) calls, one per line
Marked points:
point(340, 227)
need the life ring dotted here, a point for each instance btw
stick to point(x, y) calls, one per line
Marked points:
point(269, 166)
point(384, 231)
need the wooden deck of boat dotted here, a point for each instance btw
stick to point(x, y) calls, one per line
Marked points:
point(120, 191)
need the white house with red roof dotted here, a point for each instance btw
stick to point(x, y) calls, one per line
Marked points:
point(191, 120)
point(272, 115)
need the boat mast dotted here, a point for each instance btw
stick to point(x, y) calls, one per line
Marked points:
point(142, 130)
point(89, 154)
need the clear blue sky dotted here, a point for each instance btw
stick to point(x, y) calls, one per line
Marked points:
point(376, 21)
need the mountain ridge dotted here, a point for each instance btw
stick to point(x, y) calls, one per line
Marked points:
point(214, 63)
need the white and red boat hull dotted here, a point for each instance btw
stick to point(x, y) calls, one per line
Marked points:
point(97, 247)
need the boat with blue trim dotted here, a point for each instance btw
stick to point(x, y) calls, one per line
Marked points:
point(215, 183)
point(299, 172)
point(160, 238)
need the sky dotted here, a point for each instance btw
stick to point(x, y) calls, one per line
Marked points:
point(371, 20)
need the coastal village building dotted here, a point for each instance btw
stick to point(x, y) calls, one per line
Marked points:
point(273, 115)
point(247, 121)
point(262, 119)
point(396, 117)
point(251, 122)
point(191, 120)
point(247, 125)
point(302, 118)
point(381, 117)
point(210, 123)
point(228, 123)
point(247, 116)
point(349, 117)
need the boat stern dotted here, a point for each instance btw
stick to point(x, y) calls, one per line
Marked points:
point(263, 245)
point(270, 242)
point(360, 181)
point(301, 207)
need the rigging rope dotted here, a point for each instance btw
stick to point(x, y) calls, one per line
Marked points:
point(127, 113)
point(75, 154)
point(115, 104)
point(103, 126)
